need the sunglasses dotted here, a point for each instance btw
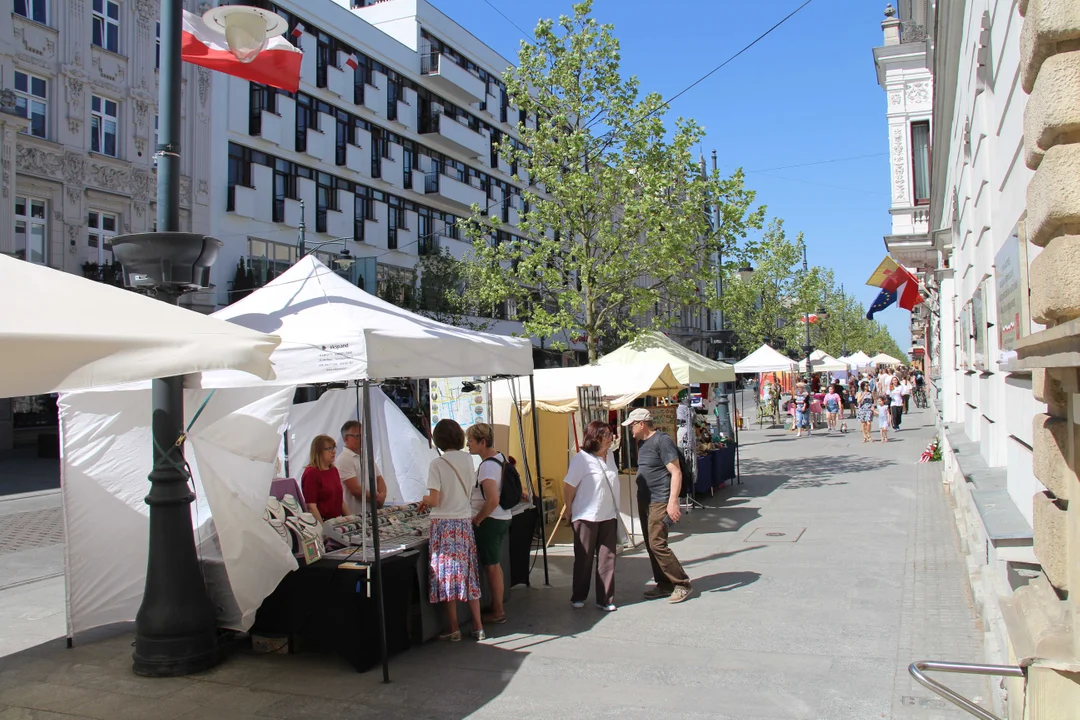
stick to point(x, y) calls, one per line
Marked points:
point(331, 448)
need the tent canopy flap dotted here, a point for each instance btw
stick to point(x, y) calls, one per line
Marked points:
point(68, 338)
point(764, 359)
point(556, 389)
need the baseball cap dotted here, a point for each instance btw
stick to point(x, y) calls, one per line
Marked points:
point(639, 415)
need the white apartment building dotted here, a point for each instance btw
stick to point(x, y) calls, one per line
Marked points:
point(389, 156)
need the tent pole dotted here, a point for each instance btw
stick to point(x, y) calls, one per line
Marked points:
point(369, 464)
point(736, 400)
point(539, 476)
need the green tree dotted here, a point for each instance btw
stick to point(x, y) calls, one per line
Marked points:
point(615, 223)
point(434, 288)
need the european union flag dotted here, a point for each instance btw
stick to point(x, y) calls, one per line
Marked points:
point(884, 299)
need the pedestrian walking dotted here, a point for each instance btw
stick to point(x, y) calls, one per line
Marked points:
point(883, 417)
point(833, 402)
point(659, 481)
point(802, 409)
point(591, 491)
point(896, 403)
point(865, 413)
point(905, 391)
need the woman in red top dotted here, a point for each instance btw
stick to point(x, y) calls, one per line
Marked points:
point(321, 483)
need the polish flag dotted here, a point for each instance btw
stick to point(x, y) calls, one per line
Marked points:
point(352, 62)
point(298, 30)
point(277, 65)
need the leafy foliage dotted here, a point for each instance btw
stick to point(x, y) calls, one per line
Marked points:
point(615, 219)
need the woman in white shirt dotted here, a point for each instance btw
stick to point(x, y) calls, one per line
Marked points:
point(591, 491)
point(453, 574)
point(896, 403)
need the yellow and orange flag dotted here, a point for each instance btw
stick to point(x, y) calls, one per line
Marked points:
point(886, 274)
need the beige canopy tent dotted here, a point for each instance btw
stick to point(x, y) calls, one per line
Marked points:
point(558, 420)
point(688, 366)
point(823, 362)
point(883, 359)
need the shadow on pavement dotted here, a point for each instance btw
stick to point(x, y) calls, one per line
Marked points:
point(725, 581)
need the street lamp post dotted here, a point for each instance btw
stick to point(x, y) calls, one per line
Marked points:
point(843, 322)
point(809, 348)
point(175, 627)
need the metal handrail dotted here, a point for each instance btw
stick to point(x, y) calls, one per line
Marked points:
point(916, 669)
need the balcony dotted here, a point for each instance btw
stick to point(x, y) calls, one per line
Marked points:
point(450, 78)
point(340, 82)
point(462, 195)
point(453, 137)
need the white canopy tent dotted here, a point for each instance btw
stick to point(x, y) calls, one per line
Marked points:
point(883, 359)
point(651, 348)
point(822, 361)
point(858, 360)
point(79, 333)
point(764, 359)
point(331, 331)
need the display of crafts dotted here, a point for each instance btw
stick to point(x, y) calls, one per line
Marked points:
point(398, 525)
point(292, 523)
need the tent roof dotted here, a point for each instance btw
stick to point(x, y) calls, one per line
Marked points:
point(332, 330)
point(764, 359)
point(688, 366)
point(857, 359)
point(883, 359)
point(79, 333)
point(823, 362)
point(556, 389)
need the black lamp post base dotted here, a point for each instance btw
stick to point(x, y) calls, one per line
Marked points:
point(173, 657)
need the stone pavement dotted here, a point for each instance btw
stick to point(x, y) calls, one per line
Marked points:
point(816, 582)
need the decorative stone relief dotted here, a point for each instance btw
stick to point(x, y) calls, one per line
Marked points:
point(143, 185)
point(140, 208)
point(74, 194)
point(142, 112)
point(918, 93)
point(185, 191)
point(108, 177)
point(140, 145)
point(899, 164)
point(147, 9)
point(75, 94)
point(204, 86)
point(74, 126)
point(74, 167)
point(35, 45)
point(110, 68)
point(57, 215)
point(37, 161)
point(73, 237)
point(204, 187)
point(896, 99)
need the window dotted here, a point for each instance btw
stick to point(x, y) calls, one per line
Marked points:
point(103, 124)
point(33, 10)
point(30, 102)
point(393, 91)
point(101, 228)
point(920, 161)
point(323, 51)
point(376, 160)
point(305, 118)
point(107, 25)
point(284, 187)
point(239, 172)
point(157, 46)
point(407, 168)
point(362, 210)
point(260, 98)
point(393, 218)
point(341, 139)
point(30, 230)
point(325, 199)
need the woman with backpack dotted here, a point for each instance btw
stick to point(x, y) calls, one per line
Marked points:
point(490, 518)
point(591, 491)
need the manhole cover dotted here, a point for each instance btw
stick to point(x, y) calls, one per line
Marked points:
point(775, 535)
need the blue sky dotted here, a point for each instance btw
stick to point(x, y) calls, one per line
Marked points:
point(806, 93)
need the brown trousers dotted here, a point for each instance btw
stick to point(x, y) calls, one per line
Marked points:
point(667, 570)
point(594, 539)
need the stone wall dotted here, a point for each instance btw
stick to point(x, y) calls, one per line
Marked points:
point(1050, 73)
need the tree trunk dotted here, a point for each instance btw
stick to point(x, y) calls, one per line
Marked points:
point(590, 326)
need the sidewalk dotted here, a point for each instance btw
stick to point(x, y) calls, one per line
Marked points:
point(817, 582)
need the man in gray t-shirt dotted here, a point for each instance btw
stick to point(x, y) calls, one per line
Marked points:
point(659, 481)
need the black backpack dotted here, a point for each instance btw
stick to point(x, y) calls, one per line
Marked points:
point(510, 492)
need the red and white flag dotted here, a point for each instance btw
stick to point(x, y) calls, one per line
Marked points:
point(277, 65)
point(352, 62)
point(298, 30)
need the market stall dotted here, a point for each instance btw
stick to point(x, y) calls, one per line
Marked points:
point(858, 360)
point(557, 410)
point(883, 359)
point(332, 332)
point(775, 373)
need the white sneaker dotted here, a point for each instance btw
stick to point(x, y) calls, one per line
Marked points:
point(576, 604)
point(607, 608)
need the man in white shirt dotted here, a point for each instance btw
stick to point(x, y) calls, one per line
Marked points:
point(348, 465)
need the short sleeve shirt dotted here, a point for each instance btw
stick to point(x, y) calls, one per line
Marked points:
point(597, 487)
point(453, 493)
point(653, 478)
point(489, 470)
point(323, 488)
point(348, 465)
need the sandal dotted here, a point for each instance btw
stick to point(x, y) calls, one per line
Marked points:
point(452, 637)
point(495, 620)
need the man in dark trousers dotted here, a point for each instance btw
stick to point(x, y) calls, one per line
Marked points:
point(659, 481)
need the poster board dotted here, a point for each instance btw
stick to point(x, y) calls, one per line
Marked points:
point(449, 400)
point(665, 419)
point(1011, 284)
point(979, 328)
